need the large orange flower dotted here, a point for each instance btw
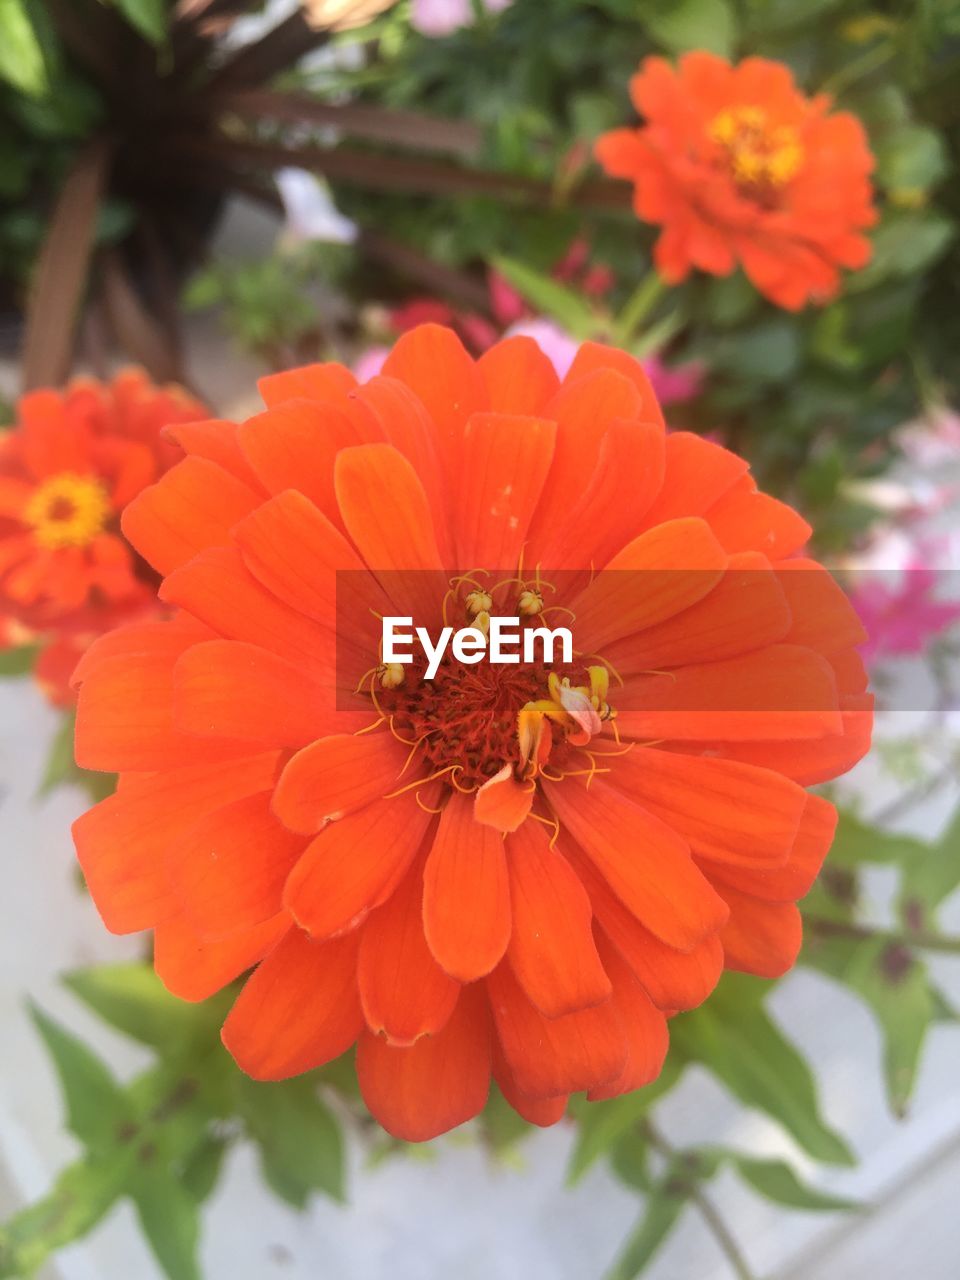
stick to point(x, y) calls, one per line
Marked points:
point(520, 869)
point(73, 461)
point(737, 165)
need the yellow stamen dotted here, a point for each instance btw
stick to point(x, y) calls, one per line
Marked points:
point(760, 154)
point(67, 511)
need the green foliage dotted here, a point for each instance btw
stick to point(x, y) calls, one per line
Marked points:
point(22, 63)
point(149, 17)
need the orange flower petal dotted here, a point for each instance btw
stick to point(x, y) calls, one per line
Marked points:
point(335, 776)
point(466, 893)
point(310, 382)
point(228, 868)
point(745, 611)
point(217, 441)
point(122, 842)
point(353, 865)
point(192, 507)
point(644, 1027)
point(518, 376)
point(502, 802)
point(294, 446)
point(795, 878)
point(216, 588)
point(696, 473)
point(298, 1010)
point(595, 355)
point(195, 970)
point(645, 862)
point(404, 992)
point(504, 463)
point(745, 520)
point(551, 952)
point(438, 1083)
point(658, 575)
point(125, 719)
point(543, 1112)
point(762, 938)
point(672, 979)
point(728, 812)
point(434, 364)
point(553, 1056)
point(240, 691)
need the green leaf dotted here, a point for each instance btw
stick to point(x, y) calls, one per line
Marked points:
point(149, 17)
point(857, 841)
point(911, 158)
point(549, 297)
point(502, 1126)
point(60, 766)
point(95, 1103)
point(694, 24)
point(776, 1180)
point(733, 1036)
point(19, 661)
point(663, 1209)
point(905, 243)
point(81, 1196)
point(767, 352)
point(21, 55)
point(931, 877)
point(169, 1216)
point(300, 1143)
point(132, 998)
point(202, 1171)
point(601, 1125)
point(896, 986)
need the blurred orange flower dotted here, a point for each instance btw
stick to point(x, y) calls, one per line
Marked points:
point(516, 870)
point(737, 165)
point(68, 467)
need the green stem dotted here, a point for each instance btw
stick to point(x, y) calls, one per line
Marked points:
point(845, 76)
point(721, 1232)
point(639, 305)
point(825, 928)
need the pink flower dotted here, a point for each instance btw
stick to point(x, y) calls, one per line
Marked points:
point(674, 385)
point(901, 613)
point(555, 344)
point(441, 17)
point(370, 362)
point(933, 441)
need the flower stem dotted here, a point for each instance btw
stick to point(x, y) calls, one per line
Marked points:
point(843, 929)
point(638, 306)
point(718, 1228)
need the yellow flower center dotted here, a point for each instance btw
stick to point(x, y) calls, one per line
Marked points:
point(760, 154)
point(67, 511)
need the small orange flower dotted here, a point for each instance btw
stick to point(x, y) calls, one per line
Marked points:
point(517, 870)
point(67, 469)
point(737, 165)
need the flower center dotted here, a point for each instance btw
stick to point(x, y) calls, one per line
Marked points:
point(470, 720)
point(67, 511)
point(760, 154)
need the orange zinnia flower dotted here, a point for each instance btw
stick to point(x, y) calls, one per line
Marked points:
point(510, 870)
point(737, 165)
point(73, 461)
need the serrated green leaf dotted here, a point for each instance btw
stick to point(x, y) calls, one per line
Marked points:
point(170, 1219)
point(95, 1104)
point(549, 297)
point(663, 1208)
point(298, 1137)
point(21, 55)
point(693, 24)
point(895, 985)
point(734, 1037)
point(778, 1181)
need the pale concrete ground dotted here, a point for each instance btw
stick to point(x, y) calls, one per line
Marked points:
point(456, 1213)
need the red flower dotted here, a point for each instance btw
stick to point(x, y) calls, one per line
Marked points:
point(737, 165)
point(520, 869)
point(68, 467)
